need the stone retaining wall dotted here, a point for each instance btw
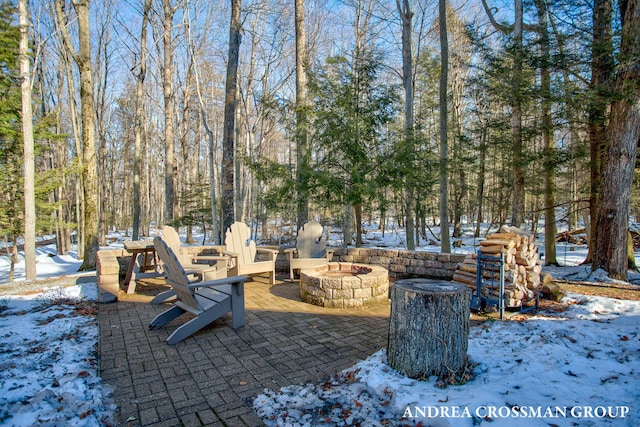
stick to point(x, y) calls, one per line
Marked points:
point(401, 264)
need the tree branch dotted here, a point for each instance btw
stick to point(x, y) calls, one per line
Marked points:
point(506, 29)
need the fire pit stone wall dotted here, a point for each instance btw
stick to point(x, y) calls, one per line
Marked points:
point(344, 285)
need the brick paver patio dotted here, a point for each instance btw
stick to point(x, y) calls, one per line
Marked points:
point(212, 377)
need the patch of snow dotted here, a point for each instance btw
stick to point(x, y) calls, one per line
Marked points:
point(49, 360)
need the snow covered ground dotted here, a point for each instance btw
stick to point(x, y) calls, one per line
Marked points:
point(49, 347)
point(49, 363)
point(579, 367)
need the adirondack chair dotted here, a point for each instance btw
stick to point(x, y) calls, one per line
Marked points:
point(190, 264)
point(310, 250)
point(209, 267)
point(206, 300)
point(243, 251)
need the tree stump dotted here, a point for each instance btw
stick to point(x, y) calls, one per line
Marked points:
point(429, 328)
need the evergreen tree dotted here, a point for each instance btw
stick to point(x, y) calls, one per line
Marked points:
point(11, 177)
point(352, 106)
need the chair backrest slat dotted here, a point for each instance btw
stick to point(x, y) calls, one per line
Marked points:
point(176, 275)
point(309, 242)
point(238, 240)
point(172, 239)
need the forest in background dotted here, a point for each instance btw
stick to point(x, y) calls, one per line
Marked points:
point(198, 113)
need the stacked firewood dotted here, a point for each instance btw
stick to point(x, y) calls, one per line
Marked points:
point(522, 267)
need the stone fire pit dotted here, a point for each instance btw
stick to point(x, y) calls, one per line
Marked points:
point(344, 284)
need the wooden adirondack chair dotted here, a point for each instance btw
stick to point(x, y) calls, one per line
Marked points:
point(243, 251)
point(208, 266)
point(310, 250)
point(190, 264)
point(206, 300)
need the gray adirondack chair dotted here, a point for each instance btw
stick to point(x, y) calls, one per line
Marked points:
point(310, 250)
point(208, 267)
point(207, 300)
point(243, 251)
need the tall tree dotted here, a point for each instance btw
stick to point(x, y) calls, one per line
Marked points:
point(623, 134)
point(602, 74)
point(27, 139)
point(208, 120)
point(302, 126)
point(229, 127)
point(516, 31)
point(139, 128)
point(547, 136)
point(82, 59)
point(171, 166)
point(102, 69)
point(11, 150)
point(408, 146)
point(444, 154)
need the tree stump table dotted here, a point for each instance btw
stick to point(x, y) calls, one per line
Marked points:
point(428, 328)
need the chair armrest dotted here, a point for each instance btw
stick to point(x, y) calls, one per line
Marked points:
point(273, 253)
point(217, 282)
point(218, 248)
point(199, 271)
point(231, 254)
point(209, 258)
point(290, 250)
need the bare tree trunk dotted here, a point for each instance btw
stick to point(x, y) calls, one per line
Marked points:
point(444, 156)
point(171, 167)
point(457, 164)
point(517, 216)
point(63, 242)
point(211, 142)
point(89, 170)
point(602, 68)
point(105, 173)
point(302, 126)
point(406, 15)
point(574, 134)
point(228, 139)
point(623, 136)
point(29, 155)
point(138, 129)
point(547, 134)
point(481, 179)
point(66, 68)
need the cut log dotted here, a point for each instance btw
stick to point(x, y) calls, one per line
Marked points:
point(508, 236)
point(507, 243)
point(468, 268)
point(461, 278)
point(428, 328)
point(515, 230)
point(492, 249)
